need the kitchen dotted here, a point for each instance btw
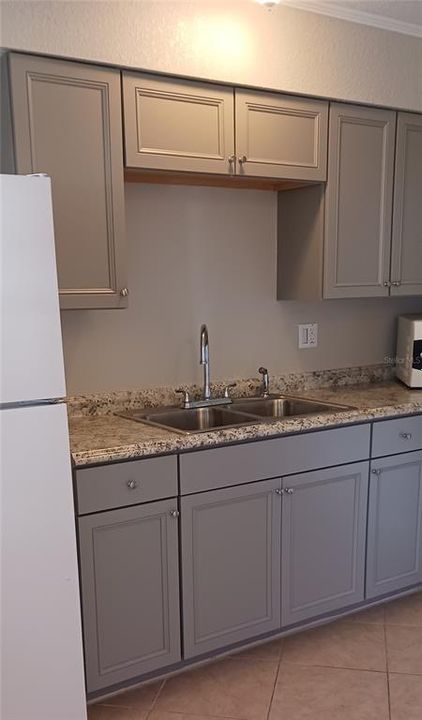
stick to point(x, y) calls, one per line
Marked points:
point(248, 255)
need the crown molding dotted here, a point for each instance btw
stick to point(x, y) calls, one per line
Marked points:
point(342, 12)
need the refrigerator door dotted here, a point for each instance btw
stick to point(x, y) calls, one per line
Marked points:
point(31, 362)
point(41, 654)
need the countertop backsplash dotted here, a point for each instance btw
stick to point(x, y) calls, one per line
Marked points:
point(294, 383)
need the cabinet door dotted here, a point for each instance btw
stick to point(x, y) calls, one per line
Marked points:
point(394, 524)
point(406, 264)
point(280, 136)
point(67, 123)
point(231, 565)
point(177, 124)
point(359, 202)
point(130, 592)
point(323, 541)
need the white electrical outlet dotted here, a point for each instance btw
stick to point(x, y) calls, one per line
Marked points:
point(308, 335)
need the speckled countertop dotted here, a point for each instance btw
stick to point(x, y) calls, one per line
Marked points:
point(104, 437)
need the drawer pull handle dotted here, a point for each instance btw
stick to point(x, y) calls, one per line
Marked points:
point(406, 436)
point(132, 484)
point(174, 513)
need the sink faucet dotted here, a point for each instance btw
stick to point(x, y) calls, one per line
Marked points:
point(206, 401)
point(205, 361)
point(265, 384)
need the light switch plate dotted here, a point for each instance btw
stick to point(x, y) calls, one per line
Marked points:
point(308, 335)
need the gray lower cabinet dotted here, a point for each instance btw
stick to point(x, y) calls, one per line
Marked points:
point(394, 558)
point(231, 565)
point(323, 541)
point(66, 121)
point(130, 592)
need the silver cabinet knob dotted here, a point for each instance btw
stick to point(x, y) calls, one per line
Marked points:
point(406, 435)
point(376, 471)
point(242, 159)
point(279, 491)
point(124, 292)
point(396, 283)
point(132, 484)
point(289, 491)
point(232, 159)
point(174, 513)
point(387, 283)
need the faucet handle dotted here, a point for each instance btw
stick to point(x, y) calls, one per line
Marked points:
point(265, 389)
point(227, 389)
point(186, 396)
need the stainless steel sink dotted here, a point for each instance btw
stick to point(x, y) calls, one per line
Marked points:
point(284, 406)
point(243, 411)
point(192, 421)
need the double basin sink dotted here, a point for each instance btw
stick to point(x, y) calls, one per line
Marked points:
point(239, 412)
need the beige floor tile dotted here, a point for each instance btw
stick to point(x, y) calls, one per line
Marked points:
point(405, 697)
point(228, 688)
point(164, 715)
point(269, 651)
point(104, 712)
point(340, 644)
point(404, 649)
point(373, 616)
point(141, 698)
point(313, 693)
point(406, 611)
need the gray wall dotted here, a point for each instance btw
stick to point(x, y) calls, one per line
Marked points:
point(201, 254)
point(233, 40)
point(209, 255)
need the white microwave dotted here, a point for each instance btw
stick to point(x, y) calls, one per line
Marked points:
point(409, 350)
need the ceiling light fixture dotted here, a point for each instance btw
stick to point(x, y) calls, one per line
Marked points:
point(269, 3)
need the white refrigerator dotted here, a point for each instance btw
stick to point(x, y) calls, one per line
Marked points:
point(42, 675)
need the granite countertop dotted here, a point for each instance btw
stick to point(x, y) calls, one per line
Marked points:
point(102, 438)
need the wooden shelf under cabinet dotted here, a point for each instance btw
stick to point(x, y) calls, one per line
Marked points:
point(178, 178)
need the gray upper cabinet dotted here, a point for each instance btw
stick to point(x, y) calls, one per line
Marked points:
point(279, 136)
point(394, 524)
point(359, 202)
point(406, 260)
point(187, 126)
point(178, 125)
point(67, 122)
point(130, 592)
point(231, 565)
point(323, 541)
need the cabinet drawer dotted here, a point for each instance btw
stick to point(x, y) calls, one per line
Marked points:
point(397, 436)
point(113, 486)
point(222, 467)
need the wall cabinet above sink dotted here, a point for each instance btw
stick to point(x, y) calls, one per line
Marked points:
point(358, 236)
point(187, 126)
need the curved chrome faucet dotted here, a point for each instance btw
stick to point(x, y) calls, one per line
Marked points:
point(206, 400)
point(204, 360)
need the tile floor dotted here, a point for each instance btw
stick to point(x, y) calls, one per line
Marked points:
point(367, 667)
